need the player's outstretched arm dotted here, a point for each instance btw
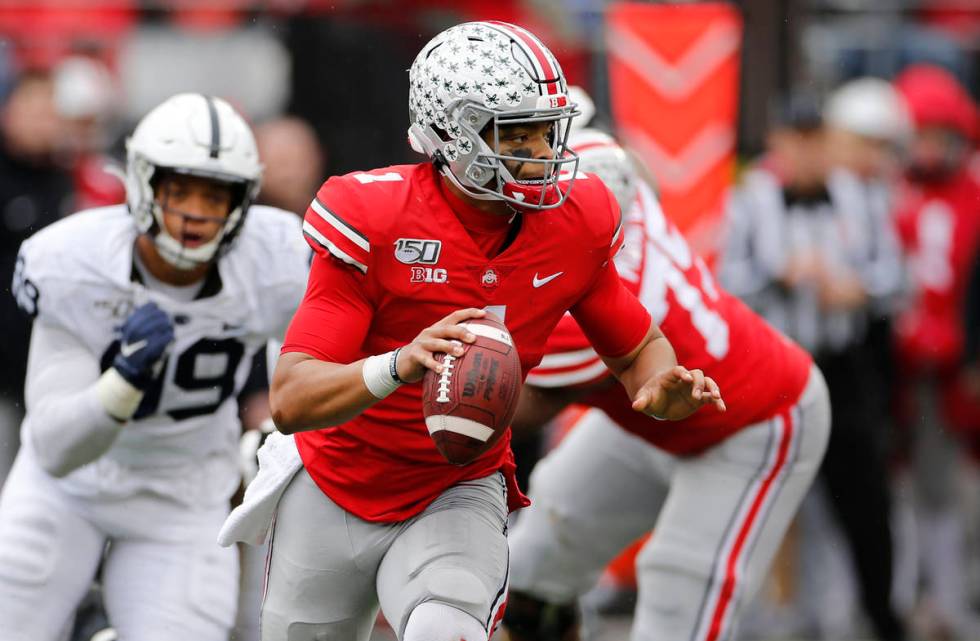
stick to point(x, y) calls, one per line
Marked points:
point(308, 393)
point(644, 363)
point(659, 386)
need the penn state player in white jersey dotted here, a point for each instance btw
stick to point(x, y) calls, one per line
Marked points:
point(147, 316)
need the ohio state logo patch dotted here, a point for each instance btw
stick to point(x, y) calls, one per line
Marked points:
point(490, 278)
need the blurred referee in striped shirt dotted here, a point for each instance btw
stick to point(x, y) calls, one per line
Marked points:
point(809, 246)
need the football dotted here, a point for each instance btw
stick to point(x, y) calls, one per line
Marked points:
point(471, 404)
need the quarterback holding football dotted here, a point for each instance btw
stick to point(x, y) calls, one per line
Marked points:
point(146, 318)
point(367, 511)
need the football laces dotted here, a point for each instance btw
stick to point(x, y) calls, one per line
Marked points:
point(446, 376)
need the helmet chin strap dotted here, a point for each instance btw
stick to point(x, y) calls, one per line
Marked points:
point(179, 255)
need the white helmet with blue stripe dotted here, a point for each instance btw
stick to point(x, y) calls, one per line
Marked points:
point(197, 135)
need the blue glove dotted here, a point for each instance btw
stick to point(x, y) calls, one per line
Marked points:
point(145, 336)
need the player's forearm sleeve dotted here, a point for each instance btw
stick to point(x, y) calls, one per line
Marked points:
point(66, 421)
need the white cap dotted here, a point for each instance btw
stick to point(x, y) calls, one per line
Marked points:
point(585, 106)
point(83, 88)
point(869, 107)
point(599, 153)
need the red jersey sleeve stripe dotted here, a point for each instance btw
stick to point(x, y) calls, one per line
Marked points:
point(568, 359)
point(320, 243)
point(584, 373)
point(341, 225)
point(619, 231)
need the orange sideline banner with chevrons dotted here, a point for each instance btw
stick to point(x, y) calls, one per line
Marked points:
point(673, 75)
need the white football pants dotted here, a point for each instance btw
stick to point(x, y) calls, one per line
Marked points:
point(164, 577)
point(717, 518)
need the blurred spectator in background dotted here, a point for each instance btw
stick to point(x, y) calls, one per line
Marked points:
point(938, 218)
point(35, 190)
point(804, 250)
point(88, 100)
point(295, 163)
point(868, 126)
point(867, 123)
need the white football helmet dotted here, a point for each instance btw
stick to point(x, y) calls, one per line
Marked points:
point(600, 154)
point(479, 75)
point(200, 136)
point(585, 107)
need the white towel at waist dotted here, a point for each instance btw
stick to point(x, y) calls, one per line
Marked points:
point(250, 522)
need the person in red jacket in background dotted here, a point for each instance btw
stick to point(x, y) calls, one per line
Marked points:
point(938, 220)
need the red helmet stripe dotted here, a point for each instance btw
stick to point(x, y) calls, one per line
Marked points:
point(537, 52)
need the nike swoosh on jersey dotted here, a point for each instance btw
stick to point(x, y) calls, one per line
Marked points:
point(129, 349)
point(538, 282)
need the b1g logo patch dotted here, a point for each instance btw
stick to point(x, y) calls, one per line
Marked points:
point(429, 275)
point(412, 251)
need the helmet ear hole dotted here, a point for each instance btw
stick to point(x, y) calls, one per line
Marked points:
point(442, 133)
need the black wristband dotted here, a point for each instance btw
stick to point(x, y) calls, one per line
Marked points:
point(393, 367)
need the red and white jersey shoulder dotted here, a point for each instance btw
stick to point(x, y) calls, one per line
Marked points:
point(758, 369)
point(411, 262)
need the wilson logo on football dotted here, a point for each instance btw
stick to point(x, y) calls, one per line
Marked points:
point(411, 251)
point(429, 275)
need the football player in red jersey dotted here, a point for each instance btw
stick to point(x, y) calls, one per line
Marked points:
point(403, 255)
point(938, 221)
point(718, 490)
